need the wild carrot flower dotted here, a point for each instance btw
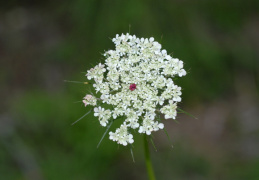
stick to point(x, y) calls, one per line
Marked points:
point(137, 81)
point(89, 99)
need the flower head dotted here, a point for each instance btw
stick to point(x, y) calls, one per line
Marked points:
point(89, 99)
point(148, 71)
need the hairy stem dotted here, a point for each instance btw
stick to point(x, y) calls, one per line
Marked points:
point(149, 167)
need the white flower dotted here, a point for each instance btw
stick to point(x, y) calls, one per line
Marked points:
point(121, 135)
point(169, 110)
point(89, 99)
point(96, 73)
point(136, 81)
point(104, 115)
point(177, 93)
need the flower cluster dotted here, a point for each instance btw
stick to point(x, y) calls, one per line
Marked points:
point(136, 80)
point(89, 99)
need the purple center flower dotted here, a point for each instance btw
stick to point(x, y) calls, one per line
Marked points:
point(132, 87)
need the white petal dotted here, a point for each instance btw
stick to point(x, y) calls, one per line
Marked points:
point(161, 125)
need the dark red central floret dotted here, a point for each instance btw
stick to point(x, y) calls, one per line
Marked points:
point(132, 87)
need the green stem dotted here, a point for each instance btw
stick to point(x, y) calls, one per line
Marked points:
point(149, 167)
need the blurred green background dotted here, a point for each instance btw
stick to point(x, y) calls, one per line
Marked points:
point(43, 43)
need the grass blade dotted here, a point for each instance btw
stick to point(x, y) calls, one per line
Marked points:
point(107, 129)
point(187, 113)
point(153, 144)
point(77, 82)
point(132, 155)
point(81, 117)
point(168, 137)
